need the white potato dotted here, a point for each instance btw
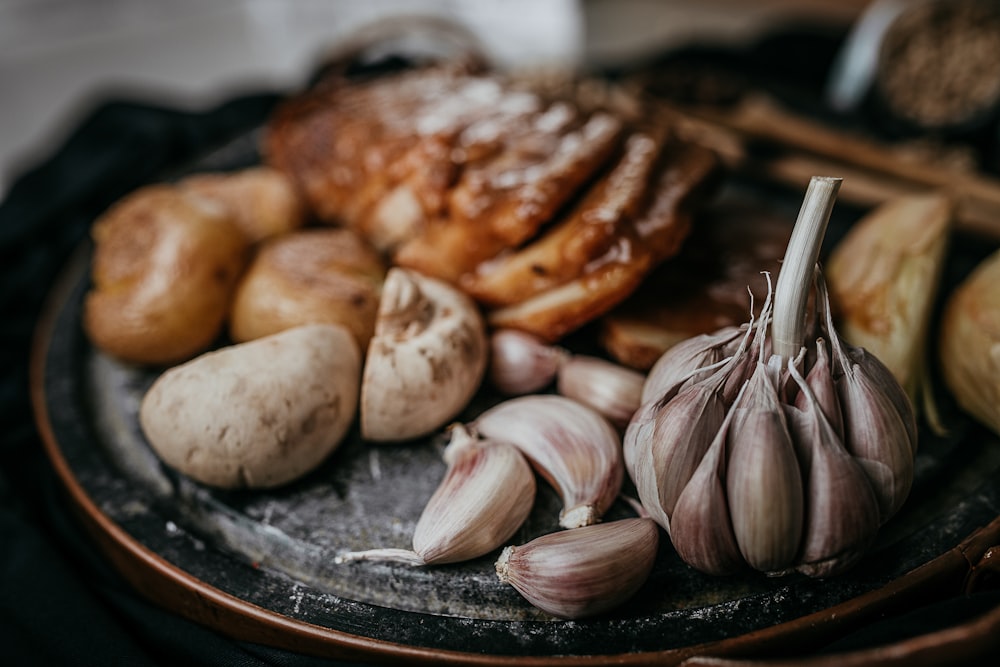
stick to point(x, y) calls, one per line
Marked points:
point(257, 414)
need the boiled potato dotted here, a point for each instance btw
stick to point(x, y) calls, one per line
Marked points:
point(311, 275)
point(262, 201)
point(164, 269)
point(257, 414)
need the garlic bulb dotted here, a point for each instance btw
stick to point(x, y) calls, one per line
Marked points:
point(583, 571)
point(485, 496)
point(425, 361)
point(788, 448)
point(573, 447)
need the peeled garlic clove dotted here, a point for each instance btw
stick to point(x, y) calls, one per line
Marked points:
point(522, 363)
point(572, 447)
point(609, 388)
point(426, 360)
point(842, 514)
point(763, 481)
point(701, 528)
point(970, 343)
point(485, 496)
point(584, 571)
point(677, 364)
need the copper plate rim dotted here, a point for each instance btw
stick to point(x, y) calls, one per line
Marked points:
point(173, 588)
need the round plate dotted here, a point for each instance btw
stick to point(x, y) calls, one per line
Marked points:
point(260, 565)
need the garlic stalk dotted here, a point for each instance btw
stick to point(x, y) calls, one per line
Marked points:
point(785, 453)
point(485, 496)
point(573, 447)
point(795, 279)
point(584, 571)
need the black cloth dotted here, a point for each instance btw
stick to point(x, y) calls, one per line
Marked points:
point(61, 603)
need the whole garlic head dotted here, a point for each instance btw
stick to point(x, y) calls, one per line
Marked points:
point(426, 360)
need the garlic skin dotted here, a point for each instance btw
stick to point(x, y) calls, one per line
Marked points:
point(573, 447)
point(680, 361)
point(522, 363)
point(426, 360)
point(486, 494)
point(611, 389)
point(584, 571)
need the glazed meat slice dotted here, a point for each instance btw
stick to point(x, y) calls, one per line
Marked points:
point(587, 233)
point(640, 243)
point(441, 168)
point(503, 201)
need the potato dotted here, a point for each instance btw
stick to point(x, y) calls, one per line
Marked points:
point(262, 201)
point(257, 414)
point(312, 275)
point(164, 269)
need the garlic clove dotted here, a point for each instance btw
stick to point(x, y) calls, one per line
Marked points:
point(841, 510)
point(425, 361)
point(486, 494)
point(763, 482)
point(573, 447)
point(584, 571)
point(879, 423)
point(701, 528)
point(522, 363)
point(609, 388)
point(824, 392)
point(666, 443)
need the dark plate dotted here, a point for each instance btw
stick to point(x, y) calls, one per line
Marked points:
point(260, 565)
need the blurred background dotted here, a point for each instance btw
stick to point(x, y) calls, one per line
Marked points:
point(60, 58)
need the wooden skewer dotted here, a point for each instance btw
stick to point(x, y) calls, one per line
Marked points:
point(872, 174)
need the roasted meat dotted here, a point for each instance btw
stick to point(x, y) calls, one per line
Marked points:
point(545, 206)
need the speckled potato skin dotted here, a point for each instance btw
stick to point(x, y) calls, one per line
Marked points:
point(258, 414)
point(164, 270)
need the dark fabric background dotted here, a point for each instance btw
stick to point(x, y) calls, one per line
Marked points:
point(60, 601)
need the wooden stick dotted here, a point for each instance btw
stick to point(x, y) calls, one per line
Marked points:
point(872, 174)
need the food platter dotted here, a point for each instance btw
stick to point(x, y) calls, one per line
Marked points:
point(260, 565)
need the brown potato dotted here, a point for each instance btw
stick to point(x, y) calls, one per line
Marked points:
point(164, 269)
point(262, 201)
point(322, 275)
